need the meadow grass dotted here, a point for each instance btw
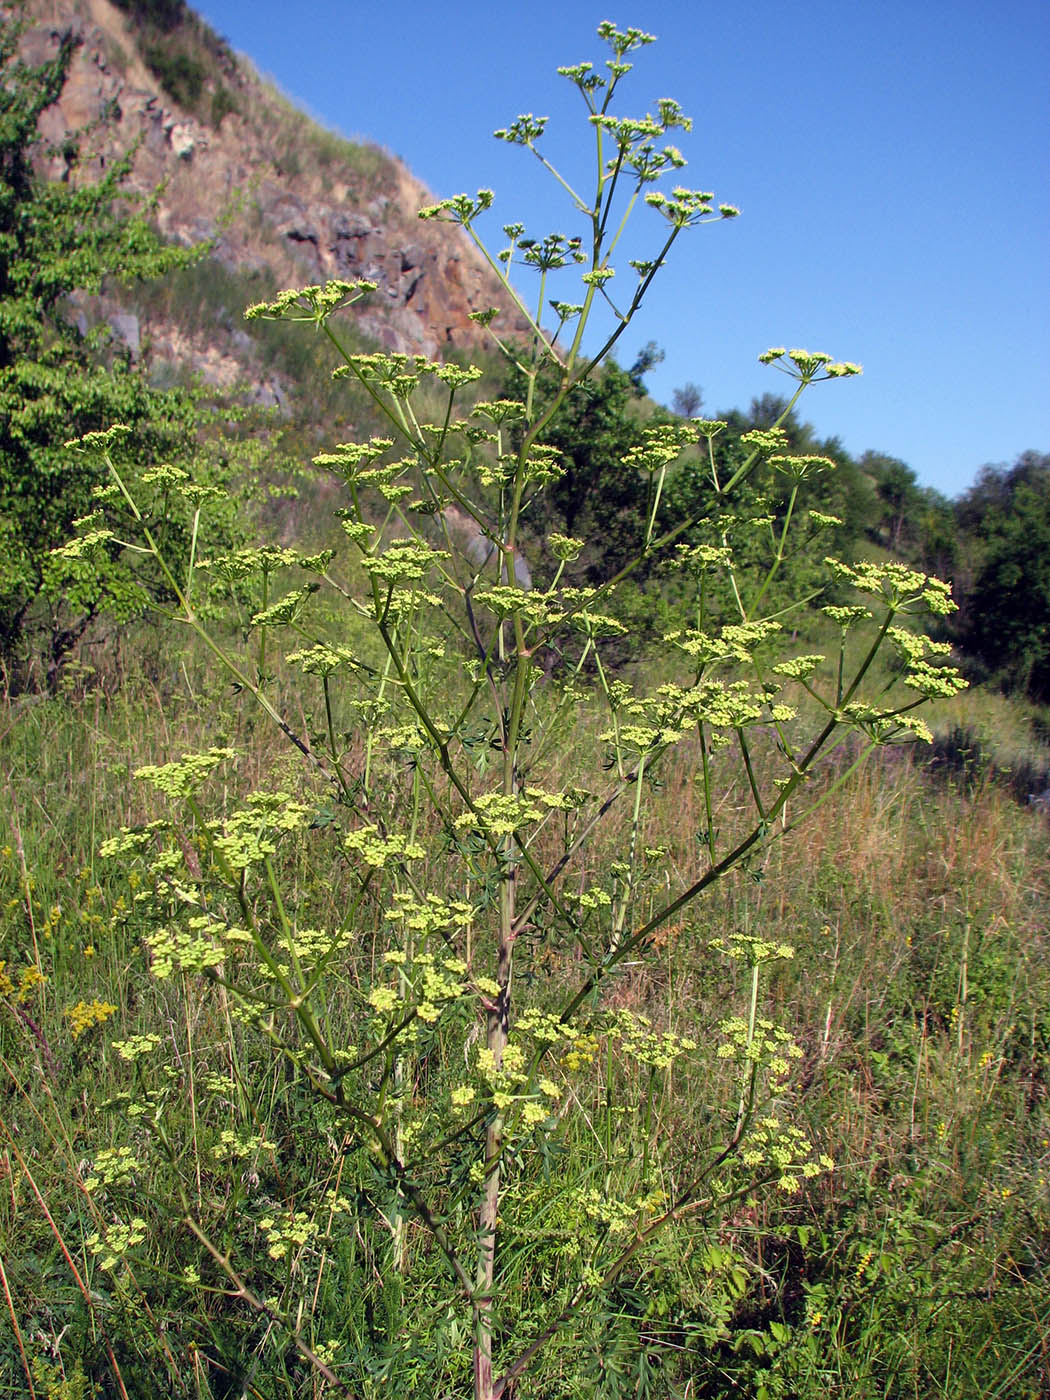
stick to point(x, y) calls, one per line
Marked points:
point(919, 993)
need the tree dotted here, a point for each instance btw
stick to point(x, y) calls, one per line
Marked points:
point(59, 237)
point(1005, 610)
point(938, 533)
point(687, 400)
point(649, 356)
point(597, 497)
point(898, 492)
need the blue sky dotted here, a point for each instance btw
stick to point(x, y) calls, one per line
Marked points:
point(891, 160)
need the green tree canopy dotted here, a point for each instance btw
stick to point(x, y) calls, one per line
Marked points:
point(598, 497)
point(1006, 609)
point(57, 379)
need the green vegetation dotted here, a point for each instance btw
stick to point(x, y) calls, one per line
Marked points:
point(197, 69)
point(434, 992)
point(206, 294)
point(189, 60)
point(58, 380)
point(918, 1267)
point(302, 148)
point(994, 540)
point(1005, 520)
point(180, 75)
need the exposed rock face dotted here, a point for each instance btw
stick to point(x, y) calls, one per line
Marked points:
point(127, 331)
point(246, 181)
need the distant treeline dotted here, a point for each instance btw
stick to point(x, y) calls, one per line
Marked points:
point(992, 542)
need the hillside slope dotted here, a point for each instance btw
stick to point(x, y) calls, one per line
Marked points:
point(284, 199)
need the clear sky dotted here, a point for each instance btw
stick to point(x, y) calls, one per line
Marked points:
point(890, 158)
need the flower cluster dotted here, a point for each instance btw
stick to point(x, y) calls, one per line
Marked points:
point(684, 208)
point(659, 447)
point(321, 659)
point(136, 1045)
point(808, 366)
point(86, 1014)
point(798, 668)
point(313, 304)
point(734, 642)
point(236, 1147)
point(499, 813)
point(112, 1166)
point(29, 978)
point(430, 914)
point(178, 780)
point(896, 585)
point(113, 1241)
point(295, 1229)
point(578, 1045)
point(640, 1043)
point(173, 949)
point(433, 983)
point(784, 1149)
point(377, 851)
point(350, 458)
point(745, 947)
point(620, 1218)
point(403, 562)
point(286, 610)
point(460, 208)
point(655, 722)
point(763, 1043)
point(249, 836)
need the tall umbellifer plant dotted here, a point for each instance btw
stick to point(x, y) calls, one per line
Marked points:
point(492, 1192)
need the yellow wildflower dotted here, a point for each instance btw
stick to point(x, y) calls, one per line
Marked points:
point(86, 1014)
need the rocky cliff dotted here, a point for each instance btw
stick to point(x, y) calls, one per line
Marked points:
point(238, 164)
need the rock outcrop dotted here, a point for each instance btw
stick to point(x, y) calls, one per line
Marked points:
point(271, 188)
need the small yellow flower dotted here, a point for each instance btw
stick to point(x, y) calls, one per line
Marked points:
point(31, 977)
point(383, 999)
point(85, 1014)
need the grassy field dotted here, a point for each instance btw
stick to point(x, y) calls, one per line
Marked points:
point(168, 1222)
